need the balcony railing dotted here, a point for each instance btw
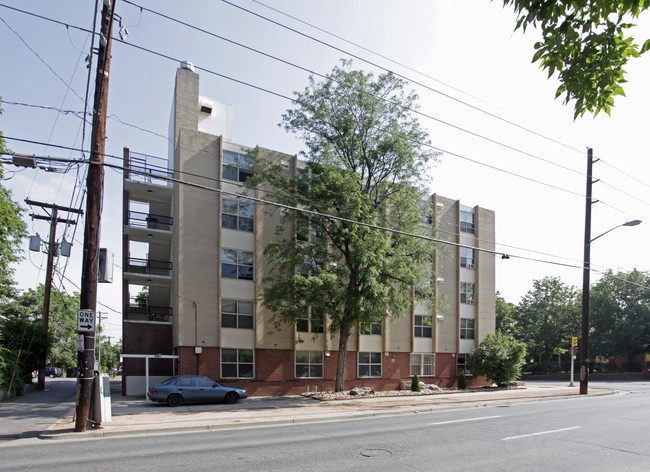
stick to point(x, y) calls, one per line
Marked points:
point(148, 170)
point(139, 219)
point(143, 312)
point(148, 266)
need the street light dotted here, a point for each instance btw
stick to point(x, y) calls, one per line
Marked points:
point(584, 347)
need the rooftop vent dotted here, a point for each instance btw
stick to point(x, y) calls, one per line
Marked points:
point(187, 65)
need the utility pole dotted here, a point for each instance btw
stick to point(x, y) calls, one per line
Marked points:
point(54, 220)
point(94, 186)
point(584, 343)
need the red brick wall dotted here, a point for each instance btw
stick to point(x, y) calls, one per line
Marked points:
point(149, 338)
point(274, 371)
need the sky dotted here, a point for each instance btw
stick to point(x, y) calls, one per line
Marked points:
point(508, 145)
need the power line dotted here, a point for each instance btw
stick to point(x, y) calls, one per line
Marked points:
point(209, 71)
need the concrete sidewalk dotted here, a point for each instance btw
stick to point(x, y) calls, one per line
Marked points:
point(136, 415)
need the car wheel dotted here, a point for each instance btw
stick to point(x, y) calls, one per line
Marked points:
point(231, 397)
point(174, 400)
point(51, 376)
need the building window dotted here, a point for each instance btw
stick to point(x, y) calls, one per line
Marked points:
point(237, 363)
point(310, 323)
point(236, 264)
point(466, 328)
point(421, 364)
point(467, 222)
point(423, 326)
point(467, 293)
point(374, 329)
point(306, 232)
point(425, 210)
point(369, 364)
point(236, 314)
point(467, 257)
point(309, 364)
point(237, 215)
point(461, 364)
point(236, 166)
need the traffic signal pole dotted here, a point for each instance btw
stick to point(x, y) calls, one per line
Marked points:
point(94, 186)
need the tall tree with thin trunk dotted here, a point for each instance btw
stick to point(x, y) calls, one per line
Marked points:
point(366, 162)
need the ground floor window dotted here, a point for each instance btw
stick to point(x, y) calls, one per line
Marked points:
point(421, 364)
point(237, 363)
point(369, 364)
point(309, 364)
point(461, 364)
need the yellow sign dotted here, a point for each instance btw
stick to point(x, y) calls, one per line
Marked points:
point(574, 342)
point(647, 357)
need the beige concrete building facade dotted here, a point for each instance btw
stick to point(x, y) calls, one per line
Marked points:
point(193, 265)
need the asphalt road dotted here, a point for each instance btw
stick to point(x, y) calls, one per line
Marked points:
point(607, 433)
point(27, 416)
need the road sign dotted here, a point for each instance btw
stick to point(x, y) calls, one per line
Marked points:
point(86, 321)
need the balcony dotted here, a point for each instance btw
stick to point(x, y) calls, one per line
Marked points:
point(136, 311)
point(139, 219)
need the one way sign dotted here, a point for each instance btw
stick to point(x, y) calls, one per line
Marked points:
point(86, 321)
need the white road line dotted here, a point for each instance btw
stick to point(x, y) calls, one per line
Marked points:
point(468, 419)
point(540, 433)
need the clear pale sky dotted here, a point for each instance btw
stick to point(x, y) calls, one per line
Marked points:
point(535, 182)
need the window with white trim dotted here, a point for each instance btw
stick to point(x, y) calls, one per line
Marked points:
point(237, 363)
point(237, 215)
point(467, 293)
point(309, 364)
point(467, 257)
point(467, 222)
point(421, 364)
point(369, 364)
point(374, 329)
point(237, 264)
point(236, 166)
point(236, 313)
point(310, 322)
point(466, 328)
point(461, 364)
point(422, 326)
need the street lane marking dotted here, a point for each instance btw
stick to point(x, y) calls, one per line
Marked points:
point(540, 433)
point(468, 419)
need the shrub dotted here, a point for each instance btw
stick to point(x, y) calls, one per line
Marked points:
point(415, 383)
point(499, 358)
point(462, 381)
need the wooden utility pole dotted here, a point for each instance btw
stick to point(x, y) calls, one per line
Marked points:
point(584, 341)
point(94, 186)
point(53, 219)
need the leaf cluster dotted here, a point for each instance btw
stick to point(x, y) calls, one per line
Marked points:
point(586, 43)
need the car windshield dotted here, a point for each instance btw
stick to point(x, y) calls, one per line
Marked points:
point(168, 381)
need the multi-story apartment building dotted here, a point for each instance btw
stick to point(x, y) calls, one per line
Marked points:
point(193, 266)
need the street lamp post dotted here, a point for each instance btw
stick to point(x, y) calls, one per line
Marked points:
point(584, 347)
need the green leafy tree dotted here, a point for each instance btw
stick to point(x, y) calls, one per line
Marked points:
point(499, 358)
point(110, 354)
point(12, 231)
point(62, 322)
point(587, 43)
point(22, 344)
point(366, 158)
point(547, 317)
point(620, 315)
point(505, 315)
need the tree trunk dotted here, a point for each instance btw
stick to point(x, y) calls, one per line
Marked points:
point(340, 366)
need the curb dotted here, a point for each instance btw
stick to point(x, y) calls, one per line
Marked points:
point(252, 423)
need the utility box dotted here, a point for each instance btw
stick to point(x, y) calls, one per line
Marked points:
point(106, 261)
point(101, 407)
